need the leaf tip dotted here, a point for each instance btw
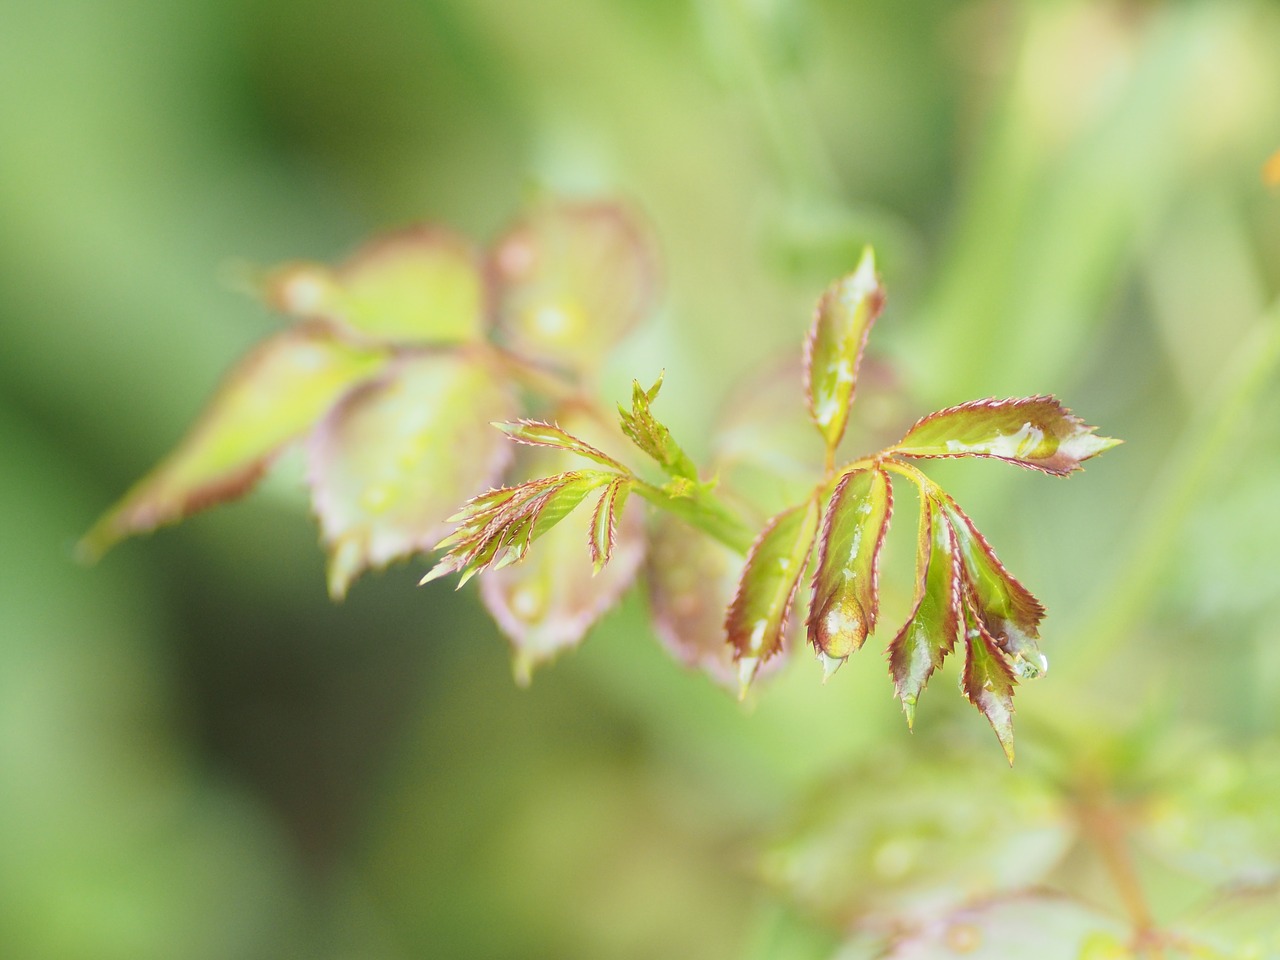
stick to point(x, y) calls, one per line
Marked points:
point(830, 664)
point(747, 668)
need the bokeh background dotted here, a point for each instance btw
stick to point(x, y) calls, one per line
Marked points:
point(201, 756)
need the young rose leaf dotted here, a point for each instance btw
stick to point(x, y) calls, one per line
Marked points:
point(572, 280)
point(757, 617)
point(834, 349)
point(930, 633)
point(391, 461)
point(844, 603)
point(538, 434)
point(651, 436)
point(604, 521)
point(1035, 432)
point(988, 679)
point(272, 397)
point(421, 285)
point(1007, 610)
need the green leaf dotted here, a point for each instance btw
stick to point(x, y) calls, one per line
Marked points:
point(389, 463)
point(1007, 610)
point(930, 632)
point(988, 679)
point(573, 278)
point(272, 397)
point(651, 436)
point(604, 521)
point(1035, 432)
point(1041, 925)
point(538, 434)
point(834, 349)
point(421, 285)
point(757, 619)
point(844, 604)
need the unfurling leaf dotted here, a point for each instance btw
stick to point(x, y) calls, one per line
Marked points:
point(757, 618)
point(930, 633)
point(538, 434)
point(651, 436)
point(422, 285)
point(834, 348)
point(1035, 432)
point(604, 522)
point(988, 679)
point(844, 604)
point(1006, 609)
point(572, 280)
point(274, 396)
point(391, 461)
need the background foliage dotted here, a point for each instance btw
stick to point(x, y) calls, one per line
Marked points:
point(200, 756)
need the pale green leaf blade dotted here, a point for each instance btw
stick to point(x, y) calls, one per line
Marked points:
point(391, 462)
point(757, 618)
point(988, 679)
point(539, 434)
point(274, 396)
point(834, 348)
point(572, 279)
point(1034, 432)
point(845, 600)
point(929, 635)
point(420, 285)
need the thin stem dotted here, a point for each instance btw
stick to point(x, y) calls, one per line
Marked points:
point(704, 510)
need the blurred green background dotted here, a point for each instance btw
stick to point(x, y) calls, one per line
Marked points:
point(200, 756)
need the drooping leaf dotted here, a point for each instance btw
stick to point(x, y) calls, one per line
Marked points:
point(833, 351)
point(1035, 432)
point(274, 396)
point(1007, 610)
point(421, 285)
point(890, 843)
point(538, 434)
point(651, 436)
point(604, 521)
point(573, 278)
point(930, 632)
point(391, 462)
point(757, 617)
point(845, 602)
point(988, 679)
point(1041, 925)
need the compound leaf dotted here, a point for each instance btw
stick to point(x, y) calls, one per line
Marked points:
point(573, 278)
point(1034, 432)
point(833, 351)
point(757, 617)
point(274, 396)
point(390, 462)
point(930, 632)
point(421, 285)
point(844, 604)
point(988, 679)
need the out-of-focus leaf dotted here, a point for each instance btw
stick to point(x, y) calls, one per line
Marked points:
point(651, 436)
point(834, 348)
point(272, 397)
point(1271, 170)
point(930, 633)
point(893, 842)
point(1035, 432)
point(390, 463)
point(1040, 925)
point(421, 285)
point(844, 602)
point(572, 280)
point(1006, 609)
point(604, 521)
point(548, 602)
point(757, 617)
point(538, 434)
point(1241, 923)
point(988, 680)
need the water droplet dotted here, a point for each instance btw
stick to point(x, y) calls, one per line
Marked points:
point(830, 665)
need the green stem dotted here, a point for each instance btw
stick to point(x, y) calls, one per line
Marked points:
point(704, 510)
